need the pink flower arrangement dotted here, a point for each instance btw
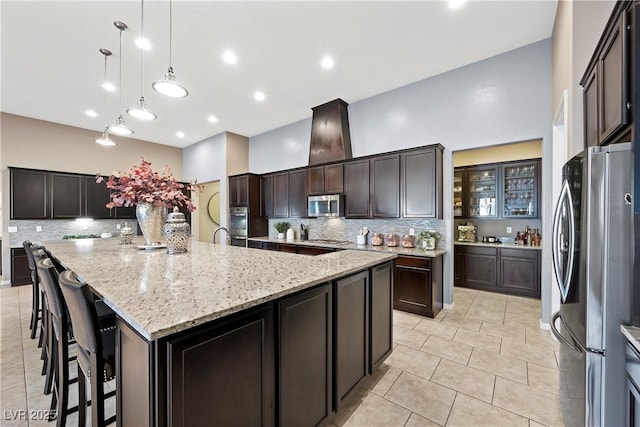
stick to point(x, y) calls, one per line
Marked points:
point(144, 185)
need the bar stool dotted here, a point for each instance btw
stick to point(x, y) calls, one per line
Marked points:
point(96, 348)
point(36, 293)
point(47, 356)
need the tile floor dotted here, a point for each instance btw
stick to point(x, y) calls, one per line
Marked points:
point(484, 363)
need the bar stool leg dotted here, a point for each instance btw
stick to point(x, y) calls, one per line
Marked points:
point(82, 398)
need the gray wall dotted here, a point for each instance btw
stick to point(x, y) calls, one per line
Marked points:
point(499, 100)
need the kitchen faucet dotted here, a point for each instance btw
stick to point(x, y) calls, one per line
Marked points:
point(216, 232)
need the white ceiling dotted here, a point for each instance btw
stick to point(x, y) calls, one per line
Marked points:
point(52, 69)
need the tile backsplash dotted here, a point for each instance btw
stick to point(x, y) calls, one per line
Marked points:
point(56, 228)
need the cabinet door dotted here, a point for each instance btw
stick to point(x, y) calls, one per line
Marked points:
point(96, 198)
point(66, 196)
point(315, 181)
point(20, 273)
point(521, 190)
point(590, 106)
point(412, 288)
point(211, 370)
point(381, 314)
point(385, 186)
point(421, 184)
point(266, 196)
point(612, 82)
point(481, 268)
point(306, 365)
point(334, 179)
point(29, 194)
point(239, 191)
point(356, 189)
point(352, 335)
point(483, 192)
point(233, 191)
point(520, 271)
point(458, 193)
point(126, 212)
point(458, 266)
point(298, 194)
point(281, 195)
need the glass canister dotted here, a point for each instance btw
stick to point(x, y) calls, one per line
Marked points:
point(391, 240)
point(408, 241)
point(126, 234)
point(176, 232)
point(377, 239)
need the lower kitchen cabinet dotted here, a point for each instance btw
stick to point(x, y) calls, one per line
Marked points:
point(505, 270)
point(381, 327)
point(20, 273)
point(633, 386)
point(351, 306)
point(306, 357)
point(418, 285)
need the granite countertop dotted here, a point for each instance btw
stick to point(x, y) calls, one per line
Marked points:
point(498, 245)
point(632, 333)
point(399, 250)
point(159, 294)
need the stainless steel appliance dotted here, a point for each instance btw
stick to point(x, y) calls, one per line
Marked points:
point(238, 226)
point(467, 233)
point(592, 256)
point(326, 206)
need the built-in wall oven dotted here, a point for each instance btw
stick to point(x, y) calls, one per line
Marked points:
point(238, 226)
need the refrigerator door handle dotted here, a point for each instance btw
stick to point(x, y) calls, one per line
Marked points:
point(559, 336)
point(563, 273)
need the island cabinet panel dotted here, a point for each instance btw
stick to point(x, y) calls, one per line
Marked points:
point(381, 314)
point(313, 250)
point(298, 194)
point(385, 186)
point(356, 189)
point(266, 196)
point(306, 357)
point(520, 271)
point(281, 195)
point(29, 194)
point(20, 273)
point(215, 368)
point(421, 183)
point(351, 335)
point(418, 285)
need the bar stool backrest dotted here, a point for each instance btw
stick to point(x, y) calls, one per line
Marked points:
point(28, 248)
point(48, 277)
point(84, 316)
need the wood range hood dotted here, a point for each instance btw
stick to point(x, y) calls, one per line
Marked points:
point(330, 137)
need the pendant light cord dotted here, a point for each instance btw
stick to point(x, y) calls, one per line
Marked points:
point(120, 72)
point(142, 50)
point(105, 93)
point(170, 32)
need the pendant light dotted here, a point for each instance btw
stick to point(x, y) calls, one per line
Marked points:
point(168, 86)
point(104, 139)
point(141, 111)
point(120, 128)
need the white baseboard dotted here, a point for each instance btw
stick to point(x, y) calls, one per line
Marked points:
point(5, 282)
point(448, 306)
point(545, 326)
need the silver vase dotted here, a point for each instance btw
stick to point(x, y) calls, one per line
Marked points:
point(151, 218)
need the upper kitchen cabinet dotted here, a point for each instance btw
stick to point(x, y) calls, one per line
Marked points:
point(281, 195)
point(298, 194)
point(421, 183)
point(239, 190)
point(327, 179)
point(521, 185)
point(385, 186)
point(459, 205)
point(606, 89)
point(483, 191)
point(29, 191)
point(66, 196)
point(266, 193)
point(356, 189)
point(97, 195)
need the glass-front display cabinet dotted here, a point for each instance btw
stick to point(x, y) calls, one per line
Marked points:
point(483, 191)
point(520, 190)
point(458, 196)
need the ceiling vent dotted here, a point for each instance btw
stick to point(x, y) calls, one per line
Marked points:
point(330, 138)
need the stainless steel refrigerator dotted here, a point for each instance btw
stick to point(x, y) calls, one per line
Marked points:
point(593, 261)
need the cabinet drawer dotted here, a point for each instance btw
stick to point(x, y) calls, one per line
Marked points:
point(477, 250)
point(414, 261)
point(283, 247)
point(633, 364)
point(519, 253)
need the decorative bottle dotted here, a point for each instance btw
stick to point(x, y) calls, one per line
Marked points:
point(176, 232)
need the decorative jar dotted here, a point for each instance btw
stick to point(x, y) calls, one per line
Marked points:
point(126, 234)
point(176, 232)
point(377, 239)
point(408, 241)
point(391, 240)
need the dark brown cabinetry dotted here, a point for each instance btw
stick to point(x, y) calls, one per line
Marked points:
point(421, 183)
point(96, 197)
point(606, 93)
point(482, 193)
point(66, 196)
point(520, 185)
point(459, 204)
point(418, 285)
point(281, 195)
point(266, 193)
point(327, 179)
point(385, 186)
point(381, 314)
point(212, 370)
point(633, 386)
point(356, 189)
point(351, 305)
point(298, 194)
point(506, 270)
point(20, 273)
point(29, 194)
point(306, 357)
point(239, 190)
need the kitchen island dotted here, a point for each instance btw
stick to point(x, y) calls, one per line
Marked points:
point(223, 335)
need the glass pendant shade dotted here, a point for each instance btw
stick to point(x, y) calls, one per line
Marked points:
point(120, 128)
point(169, 87)
point(104, 140)
point(141, 111)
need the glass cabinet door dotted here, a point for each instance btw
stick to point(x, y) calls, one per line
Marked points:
point(520, 190)
point(458, 198)
point(483, 183)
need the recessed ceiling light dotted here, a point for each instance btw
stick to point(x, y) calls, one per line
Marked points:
point(91, 113)
point(109, 87)
point(180, 134)
point(454, 4)
point(229, 57)
point(327, 63)
point(212, 119)
point(259, 96)
point(143, 43)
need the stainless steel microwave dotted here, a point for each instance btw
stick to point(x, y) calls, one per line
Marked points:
point(326, 206)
